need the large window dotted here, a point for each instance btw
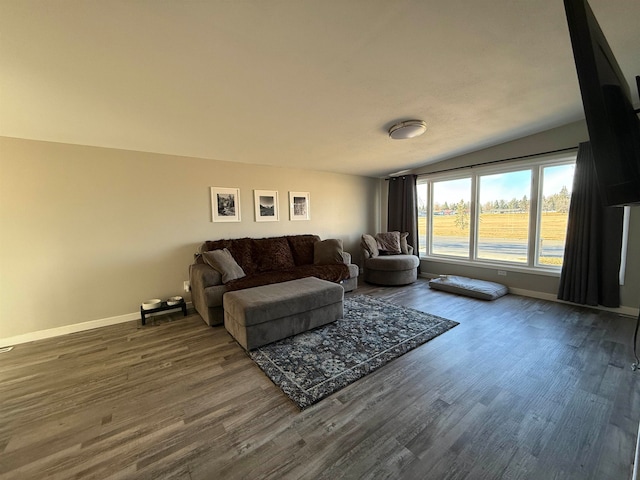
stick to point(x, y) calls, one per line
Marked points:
point(554, 213)
point(511, 214)
point(503, 226)
point(450, 217)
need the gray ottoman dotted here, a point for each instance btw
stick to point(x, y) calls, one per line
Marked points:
point(261, 315)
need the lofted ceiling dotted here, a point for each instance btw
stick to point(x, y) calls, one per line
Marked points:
point(296, 83)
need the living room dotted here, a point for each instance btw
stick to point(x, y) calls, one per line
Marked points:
point(104, 209)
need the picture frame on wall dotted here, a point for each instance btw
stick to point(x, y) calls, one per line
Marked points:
point(299, 206)
point(225, 204)
point(267, 207)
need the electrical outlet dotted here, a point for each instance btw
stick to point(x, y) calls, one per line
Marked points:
point(187, 286)
point(502, 273)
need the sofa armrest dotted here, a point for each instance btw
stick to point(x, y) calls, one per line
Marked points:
point(346, 258)
point(203, 276)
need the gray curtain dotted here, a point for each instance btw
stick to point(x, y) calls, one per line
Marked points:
point(590, 271)
point(403, 208)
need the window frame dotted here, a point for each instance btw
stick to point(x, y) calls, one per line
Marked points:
point(535, 165)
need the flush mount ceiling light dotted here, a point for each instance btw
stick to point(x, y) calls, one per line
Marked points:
point(407, 129)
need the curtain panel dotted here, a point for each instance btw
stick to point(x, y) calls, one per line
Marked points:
point(402, 214)
point(590, 271)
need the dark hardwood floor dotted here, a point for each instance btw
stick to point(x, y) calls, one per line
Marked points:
point(521, 389)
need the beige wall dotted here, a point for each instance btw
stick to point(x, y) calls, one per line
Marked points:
point(88, 233)
point(559, 138)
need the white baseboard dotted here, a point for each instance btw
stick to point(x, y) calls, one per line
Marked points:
point(630, 311)
point(76, 327)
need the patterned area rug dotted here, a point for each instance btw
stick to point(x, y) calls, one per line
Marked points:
point(315, 364)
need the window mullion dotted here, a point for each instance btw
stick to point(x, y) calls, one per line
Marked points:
point(430, 218)
point(534, 215)
point(474, 211)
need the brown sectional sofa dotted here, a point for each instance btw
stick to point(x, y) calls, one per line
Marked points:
point(264, 261)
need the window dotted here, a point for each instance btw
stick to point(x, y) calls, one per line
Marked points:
point(515, 213)
point(503, 226)
point(450, 217)
point(554, 214)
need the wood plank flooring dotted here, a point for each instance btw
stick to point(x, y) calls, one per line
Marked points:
point(521, 389)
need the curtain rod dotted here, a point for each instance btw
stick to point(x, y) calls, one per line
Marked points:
point(496, 161)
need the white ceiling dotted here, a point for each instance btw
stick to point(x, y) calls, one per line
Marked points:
point(295, 83)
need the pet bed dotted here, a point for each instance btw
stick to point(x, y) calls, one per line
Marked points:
point(470, 287)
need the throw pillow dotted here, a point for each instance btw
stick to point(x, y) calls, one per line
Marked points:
point(272, 254)
point(328, 252)
point(302, 248)
point(389, 242)
point(239, 248)
point(223, 262)
point(404, 246)
point(370, 245)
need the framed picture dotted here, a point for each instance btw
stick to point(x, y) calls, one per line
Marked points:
point(266, 204)
point(299, 206)
point(225, 204)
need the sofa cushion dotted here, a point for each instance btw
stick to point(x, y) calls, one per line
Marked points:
point(302, 248)
point(389, 242)
point(271, 254)
point(331, 273)
point(241, 250)
point(328, 252)
point(370, 245)
point(223, 262)
point(404, 246)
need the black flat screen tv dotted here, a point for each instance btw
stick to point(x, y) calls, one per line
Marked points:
point(614, 127)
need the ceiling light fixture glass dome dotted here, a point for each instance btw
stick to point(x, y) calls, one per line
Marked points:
point(407, 129)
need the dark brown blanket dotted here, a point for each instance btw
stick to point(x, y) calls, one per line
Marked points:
point(331, 273)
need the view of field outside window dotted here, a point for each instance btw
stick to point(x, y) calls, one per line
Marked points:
point(556, 196)
point(421, 193)
point(450, 217)
point(503, 230)
point(504, 216)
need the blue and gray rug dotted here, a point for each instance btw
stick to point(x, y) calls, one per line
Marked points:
point(315, 364)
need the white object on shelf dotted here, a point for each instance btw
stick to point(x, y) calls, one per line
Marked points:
point(151, 304)
point(174, 300)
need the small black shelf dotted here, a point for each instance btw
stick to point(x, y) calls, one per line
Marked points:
point(163, 307)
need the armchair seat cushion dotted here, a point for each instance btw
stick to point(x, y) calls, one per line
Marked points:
point(391, 263)
point(391, 270)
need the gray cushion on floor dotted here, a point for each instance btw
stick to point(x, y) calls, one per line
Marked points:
point(470, 287)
